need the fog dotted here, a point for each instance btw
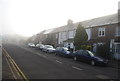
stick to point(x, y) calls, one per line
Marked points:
point(14, 39)
point(28, 17)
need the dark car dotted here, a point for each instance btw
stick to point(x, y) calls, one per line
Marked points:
point(89, 57)
point(63, 51)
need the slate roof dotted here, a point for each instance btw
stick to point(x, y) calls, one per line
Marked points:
point(105, 20)
point(48, 31)
point(65, 28)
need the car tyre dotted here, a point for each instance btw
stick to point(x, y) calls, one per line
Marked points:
point(93, 63)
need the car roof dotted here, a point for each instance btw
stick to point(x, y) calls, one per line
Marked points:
point(48, 45)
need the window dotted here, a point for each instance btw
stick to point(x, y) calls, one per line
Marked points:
point(117, 31)
point(58, 48)
point(46, 36)
point(71, 34)
point(79, 52)
point(56, 36)
point(91, 53)
point(64, 35)
point(60, 35)
point(101, 32)
point(117, 48)
point(100, 43)
point(86, 53)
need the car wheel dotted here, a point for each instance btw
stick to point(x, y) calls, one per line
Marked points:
point(75, 58)
point(92, 62)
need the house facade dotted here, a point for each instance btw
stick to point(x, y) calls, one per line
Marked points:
point(106, 31)
point(67, 33)
point(100, 31)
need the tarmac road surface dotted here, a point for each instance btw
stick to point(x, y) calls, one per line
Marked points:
point(36, 64)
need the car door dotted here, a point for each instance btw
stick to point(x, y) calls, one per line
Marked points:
point(85, 56)
point(57, 50)
point(62, 51)
point(79, 55)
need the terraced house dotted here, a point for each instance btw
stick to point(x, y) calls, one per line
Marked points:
point(102, 30)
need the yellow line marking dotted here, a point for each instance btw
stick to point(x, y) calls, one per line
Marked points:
point(20, 71)
point(16, 66)
point(12, 65)
point(10, 68)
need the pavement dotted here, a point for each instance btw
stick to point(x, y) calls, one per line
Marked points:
point(114, 64)
point(39, 65)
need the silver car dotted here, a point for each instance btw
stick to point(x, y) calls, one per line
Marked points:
point(49, 49)
point(31, 44)
point(38, 45)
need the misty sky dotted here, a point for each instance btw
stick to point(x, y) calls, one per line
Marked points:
point(28, 17)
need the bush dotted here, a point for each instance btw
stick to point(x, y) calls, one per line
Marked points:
point(103, 51)
point(89, 47)
point(84, 47)
point(80, 38)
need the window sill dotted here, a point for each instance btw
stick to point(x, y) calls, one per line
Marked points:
point(101, 36)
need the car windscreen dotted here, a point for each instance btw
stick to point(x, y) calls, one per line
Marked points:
point(91, 53)
point(48, 46)
point(66, 49)
point(42, 46)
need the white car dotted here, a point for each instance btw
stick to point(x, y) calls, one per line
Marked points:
point(31, 44)
point(38, 45)
point(51, 50)
point(41, 47)
point(48, 49)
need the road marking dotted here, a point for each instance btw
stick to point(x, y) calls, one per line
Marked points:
point(36, 53)
point(10, 68)
point(102, 76)
point(41, 55)
point(15, 66)
point(11, 65)
point(59, 61)
point(76, 68)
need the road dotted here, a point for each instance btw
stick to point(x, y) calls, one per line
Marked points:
point(36, 64)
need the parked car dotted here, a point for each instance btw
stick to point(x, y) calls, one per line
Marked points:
point(89, 57)
point(41, 47)
point(31, 44)
point(38, 45)
point(49, 49)
point(63, 51)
